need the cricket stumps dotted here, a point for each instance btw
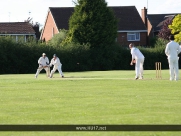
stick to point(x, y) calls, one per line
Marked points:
point(158, 66)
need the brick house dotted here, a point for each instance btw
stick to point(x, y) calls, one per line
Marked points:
point(18, 30)
point(154, 22)
point(130, 25)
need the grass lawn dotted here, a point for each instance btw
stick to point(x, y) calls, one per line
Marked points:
point(97, 97)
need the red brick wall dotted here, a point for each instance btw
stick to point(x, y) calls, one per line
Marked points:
point(48, 28)
point(122, 39)
point(144, 16)
point(150, 31)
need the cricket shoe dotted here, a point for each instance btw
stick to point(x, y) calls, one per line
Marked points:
point(141, 77)
point(136, 78)
point(171, 79)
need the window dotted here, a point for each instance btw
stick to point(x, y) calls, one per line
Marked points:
point(134, 36)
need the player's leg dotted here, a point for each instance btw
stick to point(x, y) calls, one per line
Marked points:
point(141, 68)
point(38, 71)
point(53, 71)
point(60, 70)
point(171, 67)
point(47, 69)
point(137, 68)
point(176, 69)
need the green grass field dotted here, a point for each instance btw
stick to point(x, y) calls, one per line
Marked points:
point(97, 97)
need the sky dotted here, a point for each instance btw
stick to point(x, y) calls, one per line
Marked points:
point(20, 10)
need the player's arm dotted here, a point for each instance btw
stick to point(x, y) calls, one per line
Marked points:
point(167, 50)
point(40, 61)
point(51, 63)
point(132, 61)
point(178, 50)
point(47, 61)
point(55, 61)
point(133, 57)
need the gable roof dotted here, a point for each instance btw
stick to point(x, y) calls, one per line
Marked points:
point(128, 17)
point(16, 28)
point(157, 20)
point(61, 16)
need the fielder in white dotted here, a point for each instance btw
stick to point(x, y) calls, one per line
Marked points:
point(43, 64)
point(138, 59)
point(57, 66)
point(172, 50)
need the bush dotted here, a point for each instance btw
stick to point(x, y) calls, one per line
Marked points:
point(160, 43)
point(153, 55)
point(20, 57)
point(57, 40)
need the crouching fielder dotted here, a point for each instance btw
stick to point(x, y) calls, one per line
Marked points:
point(43, 64)
point(57, 66)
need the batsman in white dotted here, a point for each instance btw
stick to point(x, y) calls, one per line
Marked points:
point(138, 59)
point(57, 66)
point(43, 64)
point(172, 50)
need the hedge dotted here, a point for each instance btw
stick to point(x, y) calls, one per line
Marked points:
point(21, 58)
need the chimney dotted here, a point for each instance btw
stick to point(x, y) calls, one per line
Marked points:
point(144, 16)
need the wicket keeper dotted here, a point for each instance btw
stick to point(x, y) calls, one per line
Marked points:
point(43, 64)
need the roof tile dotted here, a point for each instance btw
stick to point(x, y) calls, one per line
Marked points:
point(157, 20)
point(16, 28)
point(128, 17)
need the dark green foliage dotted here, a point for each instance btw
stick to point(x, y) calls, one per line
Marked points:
point(153, 41)
point(75, 57)
point(22, 57)
point(160, 42)
point(153, 55)
point(92, 22)
point(58, 38)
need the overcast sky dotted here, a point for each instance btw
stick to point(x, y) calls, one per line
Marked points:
point(20, 10)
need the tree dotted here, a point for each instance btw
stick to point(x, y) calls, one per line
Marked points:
point(176, 27)
point(58, 38)
point(35, 26)
point(92, 22)
point(165, 31)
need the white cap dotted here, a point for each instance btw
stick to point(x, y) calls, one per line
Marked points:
point(43, 54)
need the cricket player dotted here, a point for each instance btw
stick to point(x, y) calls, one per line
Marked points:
point(172, 50)
point(138, 59)
point(43, 64)
point(57, 66)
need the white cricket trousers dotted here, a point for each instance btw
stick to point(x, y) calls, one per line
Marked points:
point(59, 68)
point(139, 67)
point(174, 70)
point(47, 69)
